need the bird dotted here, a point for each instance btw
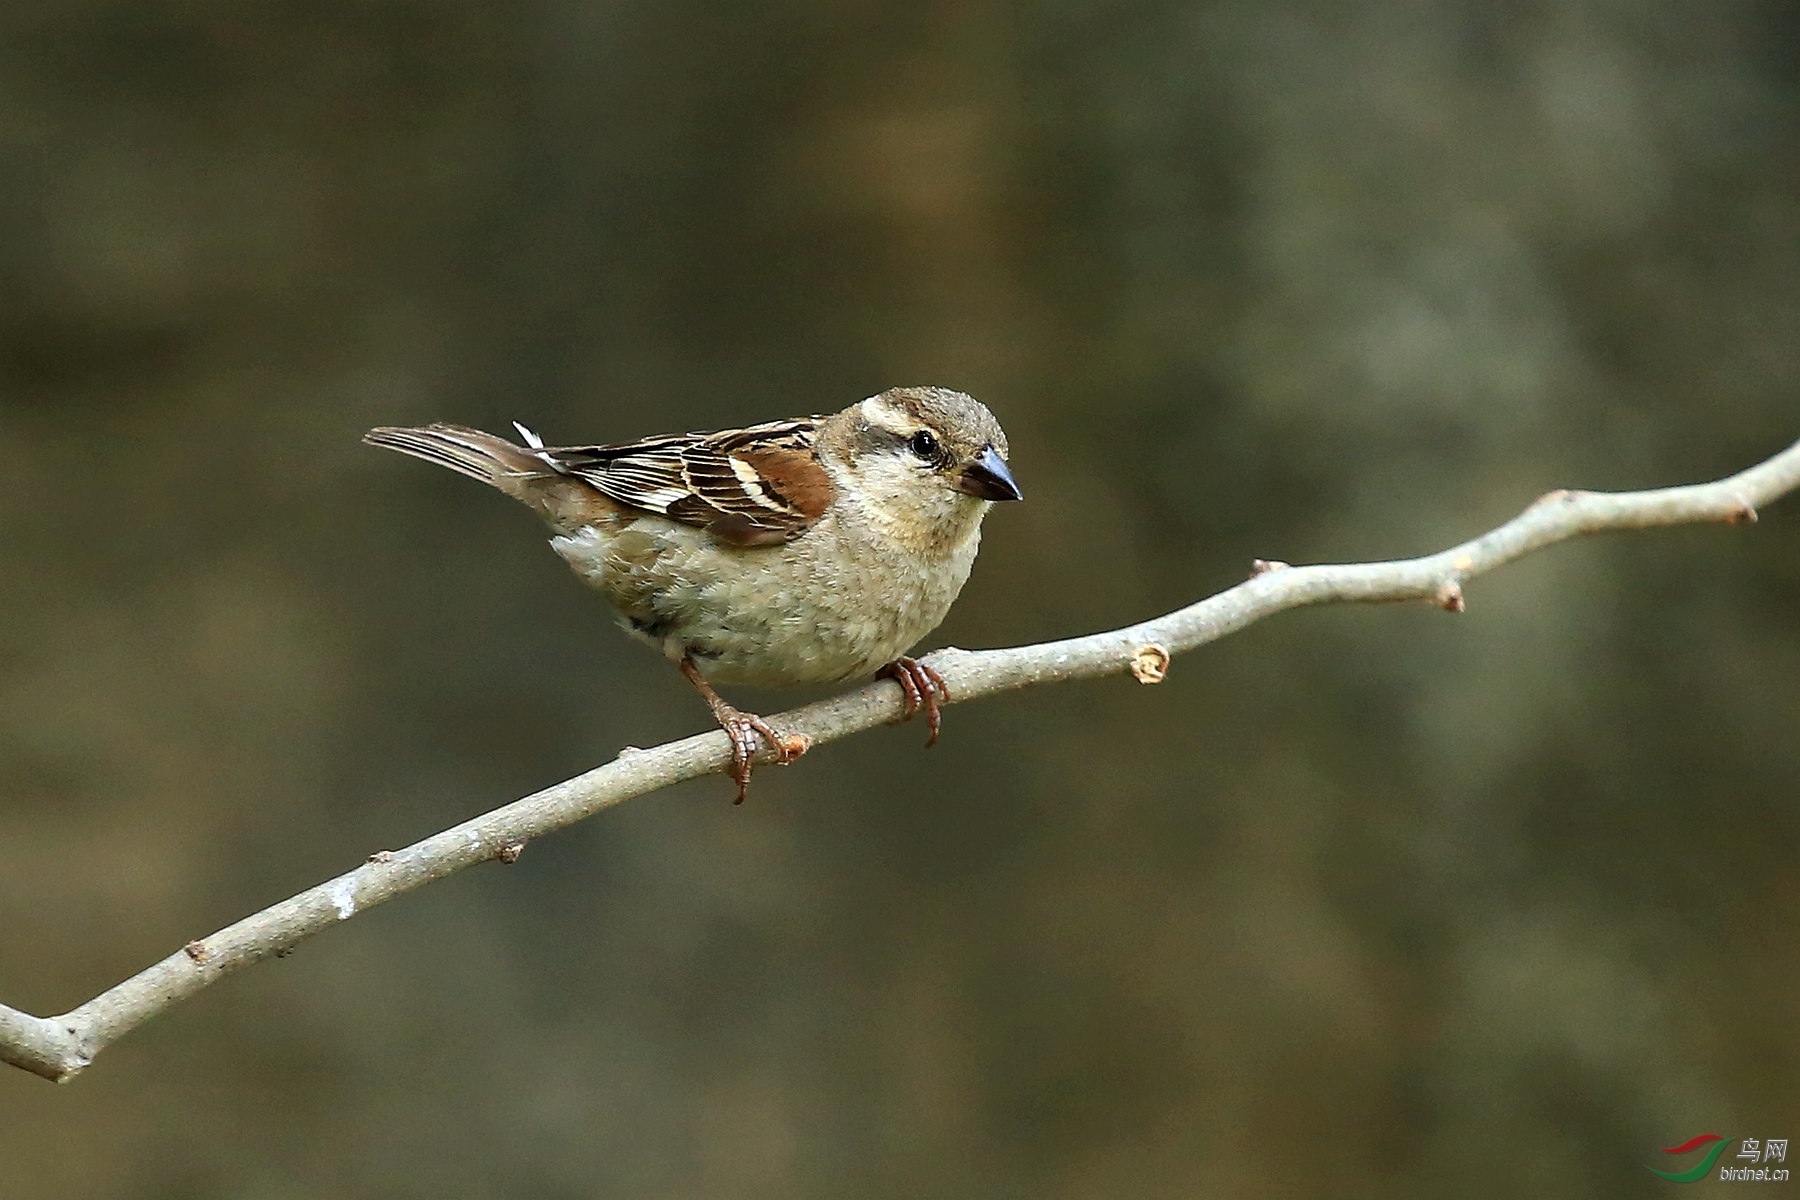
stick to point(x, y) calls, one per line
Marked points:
point(807, 551)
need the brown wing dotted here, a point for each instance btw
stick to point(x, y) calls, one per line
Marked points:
point(754, 487)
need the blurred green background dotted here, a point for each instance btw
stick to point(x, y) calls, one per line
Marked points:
point(1361, 902)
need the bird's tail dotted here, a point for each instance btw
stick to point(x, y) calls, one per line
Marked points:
point(493, 460)
point(528, 473)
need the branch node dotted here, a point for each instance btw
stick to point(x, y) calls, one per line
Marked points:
point(1262, 566)
point(1741, 514)
point(1450, 596)
point(509, 853)
point(381, 856)
point(793, 745)
point(195, 950)
point(1151, 663)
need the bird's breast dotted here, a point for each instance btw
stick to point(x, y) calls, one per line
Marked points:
point(834, 604)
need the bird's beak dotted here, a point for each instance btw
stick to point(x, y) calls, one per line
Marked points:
point(989, 478)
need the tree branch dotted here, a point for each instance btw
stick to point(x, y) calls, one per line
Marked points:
point(58, 1047)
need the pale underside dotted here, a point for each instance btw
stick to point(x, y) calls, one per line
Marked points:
point(838, 602)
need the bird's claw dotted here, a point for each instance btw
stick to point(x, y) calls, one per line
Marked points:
point(745, 729)
point(920, 688)
point(742, 730)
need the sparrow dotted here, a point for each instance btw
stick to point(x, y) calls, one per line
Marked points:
point(808, 551)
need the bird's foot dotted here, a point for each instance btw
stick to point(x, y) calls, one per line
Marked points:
point(920, 688)
point(744, 729)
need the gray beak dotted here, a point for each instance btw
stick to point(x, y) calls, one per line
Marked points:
point(989, 477)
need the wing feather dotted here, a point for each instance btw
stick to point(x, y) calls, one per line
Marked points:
point(758, 486)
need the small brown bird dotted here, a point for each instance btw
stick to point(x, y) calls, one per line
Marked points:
point(807, 551)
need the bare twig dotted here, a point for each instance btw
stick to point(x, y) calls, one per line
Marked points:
point(58, 1047)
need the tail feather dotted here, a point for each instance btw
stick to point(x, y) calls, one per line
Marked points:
point(493, 460)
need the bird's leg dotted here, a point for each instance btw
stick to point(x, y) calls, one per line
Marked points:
point(743, 729)
point(920, 687)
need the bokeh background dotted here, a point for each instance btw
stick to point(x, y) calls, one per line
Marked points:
point(1361, 902)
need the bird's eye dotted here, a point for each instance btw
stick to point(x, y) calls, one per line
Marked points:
point(925, 445)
